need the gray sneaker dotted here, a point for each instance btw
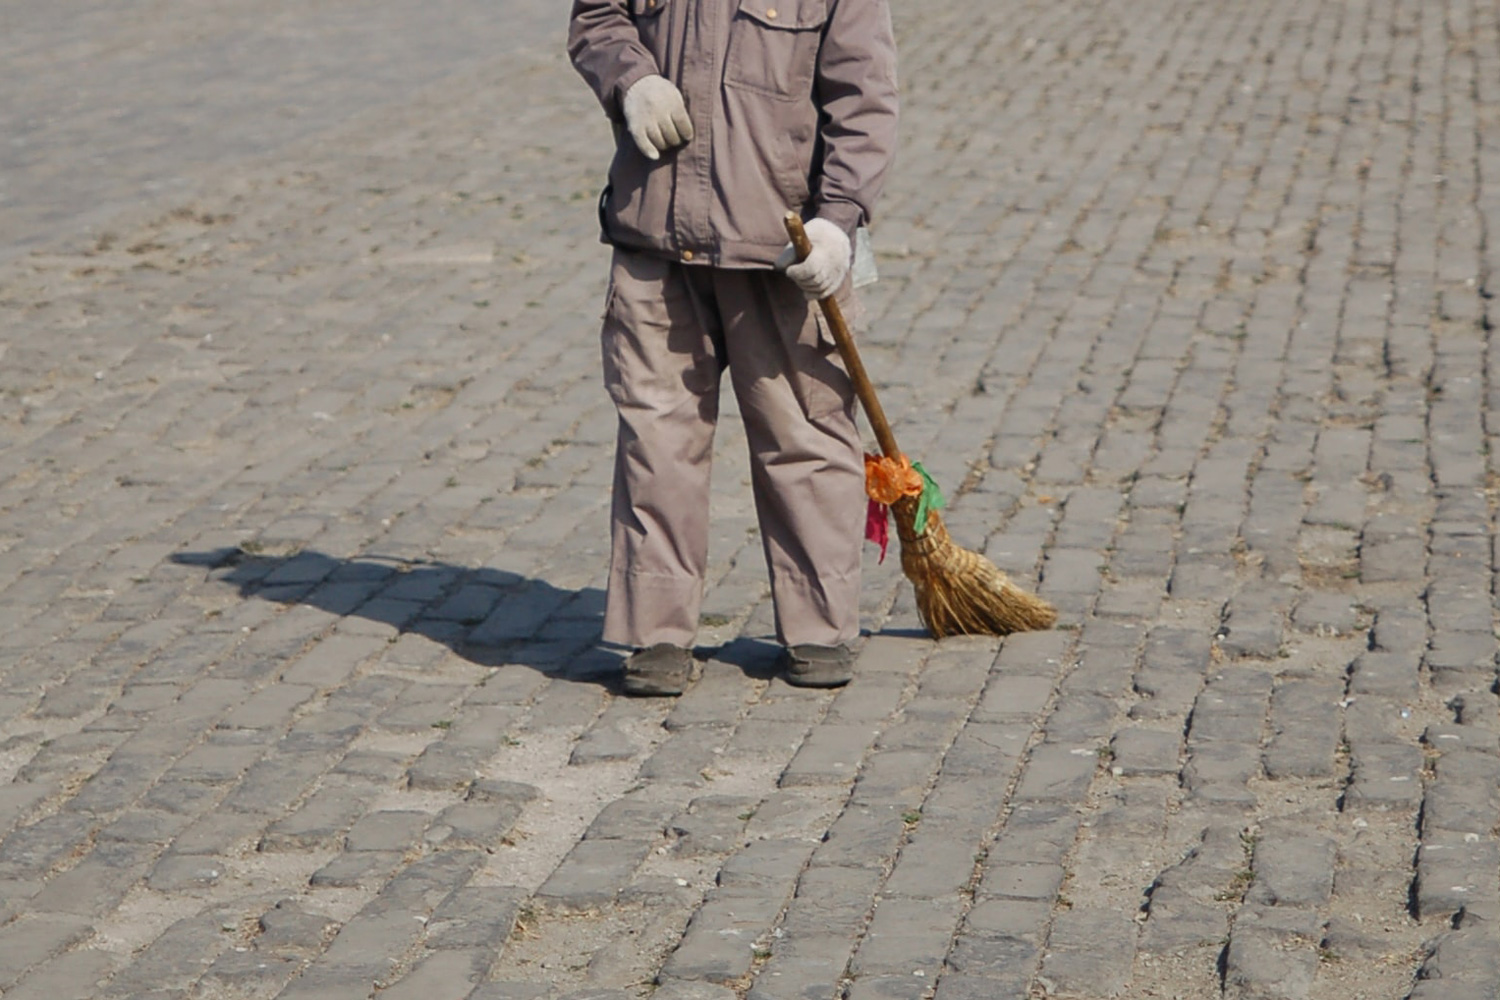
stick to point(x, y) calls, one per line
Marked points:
point(813, 666)
point(662, 669)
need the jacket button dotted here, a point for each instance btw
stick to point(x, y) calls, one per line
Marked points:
point(687, 255)
point(771, 13)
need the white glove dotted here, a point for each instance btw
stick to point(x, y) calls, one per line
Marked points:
point(656, 116)
point(820, 275)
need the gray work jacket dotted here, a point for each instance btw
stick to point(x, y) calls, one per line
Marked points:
point(793, 104)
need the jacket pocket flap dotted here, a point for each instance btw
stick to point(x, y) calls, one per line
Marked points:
point(788, 15)
point(646, 8)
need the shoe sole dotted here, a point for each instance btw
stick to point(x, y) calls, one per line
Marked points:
point(814, 681)
point(643, 689)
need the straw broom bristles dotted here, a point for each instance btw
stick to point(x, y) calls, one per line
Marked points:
point(960, 592)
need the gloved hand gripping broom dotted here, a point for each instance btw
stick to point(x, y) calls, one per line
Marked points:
point(958, 592)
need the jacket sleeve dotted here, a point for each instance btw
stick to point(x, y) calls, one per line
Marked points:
point(855, 90)
point(607, 51)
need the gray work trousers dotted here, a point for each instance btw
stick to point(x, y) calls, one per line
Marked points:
point(670, 330)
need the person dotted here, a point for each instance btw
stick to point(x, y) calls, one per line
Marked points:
point(727, 114)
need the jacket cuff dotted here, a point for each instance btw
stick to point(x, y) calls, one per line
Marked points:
point(844, 214)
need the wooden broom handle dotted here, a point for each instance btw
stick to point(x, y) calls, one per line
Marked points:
point(845, 341)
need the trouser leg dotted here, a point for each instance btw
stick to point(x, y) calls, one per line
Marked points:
point(807, 467)
point(662, 367)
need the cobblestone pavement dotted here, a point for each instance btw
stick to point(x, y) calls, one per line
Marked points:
point(1186, 304)
point(112, 103)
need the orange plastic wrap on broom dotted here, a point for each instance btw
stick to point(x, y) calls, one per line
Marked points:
point(889, 479)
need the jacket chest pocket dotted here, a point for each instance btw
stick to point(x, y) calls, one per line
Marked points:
point(773, 46)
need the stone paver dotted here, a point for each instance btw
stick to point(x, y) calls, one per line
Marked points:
point(303, 480)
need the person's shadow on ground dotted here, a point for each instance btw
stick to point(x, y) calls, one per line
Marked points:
point(491, 617)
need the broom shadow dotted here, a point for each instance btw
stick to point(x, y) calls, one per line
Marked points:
point(490, 617)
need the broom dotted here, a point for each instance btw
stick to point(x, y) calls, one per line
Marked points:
point(958, 592)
